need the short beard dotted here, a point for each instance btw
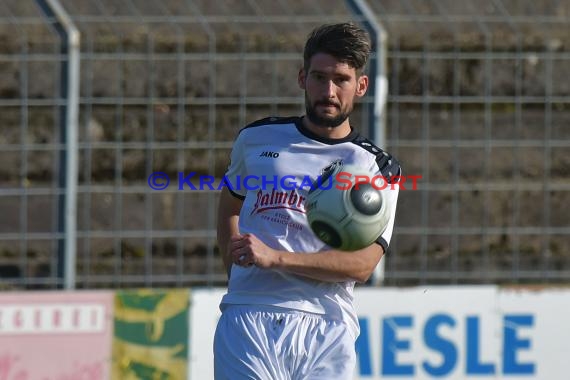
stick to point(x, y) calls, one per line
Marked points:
point(325, 122)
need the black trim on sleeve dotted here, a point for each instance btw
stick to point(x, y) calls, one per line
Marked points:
point(239, 196)
point(272, 120)
point(383, 243)
point(387, 164)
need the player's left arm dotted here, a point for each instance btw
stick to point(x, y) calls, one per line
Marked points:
point(328, 265)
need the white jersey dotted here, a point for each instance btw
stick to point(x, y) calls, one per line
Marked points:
point(273, 163)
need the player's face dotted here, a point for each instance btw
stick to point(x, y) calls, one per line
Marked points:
point(330, 90)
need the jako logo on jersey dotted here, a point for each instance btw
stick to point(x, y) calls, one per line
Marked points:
point(269, 154)
point(278, 199)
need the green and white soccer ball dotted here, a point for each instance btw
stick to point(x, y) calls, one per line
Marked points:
point(347, 216)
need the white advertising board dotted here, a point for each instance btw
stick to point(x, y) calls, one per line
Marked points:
point(462, 332)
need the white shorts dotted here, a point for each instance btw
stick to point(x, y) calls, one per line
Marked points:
point(281, 344)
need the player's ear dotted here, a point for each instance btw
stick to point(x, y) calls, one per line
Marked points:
point(302, 78)
point(361, 85)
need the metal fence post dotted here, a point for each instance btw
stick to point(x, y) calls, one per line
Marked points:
point(378, 89)
point(69, 89)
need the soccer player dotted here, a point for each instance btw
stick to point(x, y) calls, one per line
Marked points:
point(288, 312)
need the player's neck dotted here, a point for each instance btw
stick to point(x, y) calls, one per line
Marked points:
point(338, 132)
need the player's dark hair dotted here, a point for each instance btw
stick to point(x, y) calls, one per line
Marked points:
point(346, 42)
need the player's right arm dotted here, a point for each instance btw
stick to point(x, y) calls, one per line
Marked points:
point(228, 220)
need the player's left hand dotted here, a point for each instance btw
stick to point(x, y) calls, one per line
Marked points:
point(247, 250)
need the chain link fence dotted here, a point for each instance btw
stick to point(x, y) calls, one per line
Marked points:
point(478, 104)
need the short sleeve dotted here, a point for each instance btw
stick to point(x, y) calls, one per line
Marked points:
point(236, 169)
point(391, 196)
point(390, 169)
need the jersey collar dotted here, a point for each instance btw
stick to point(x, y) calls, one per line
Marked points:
point(325, 140)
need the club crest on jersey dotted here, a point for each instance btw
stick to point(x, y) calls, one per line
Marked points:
point(278, 200)
point(269, 154)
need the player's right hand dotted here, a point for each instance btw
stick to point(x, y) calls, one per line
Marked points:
point(247, 250)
